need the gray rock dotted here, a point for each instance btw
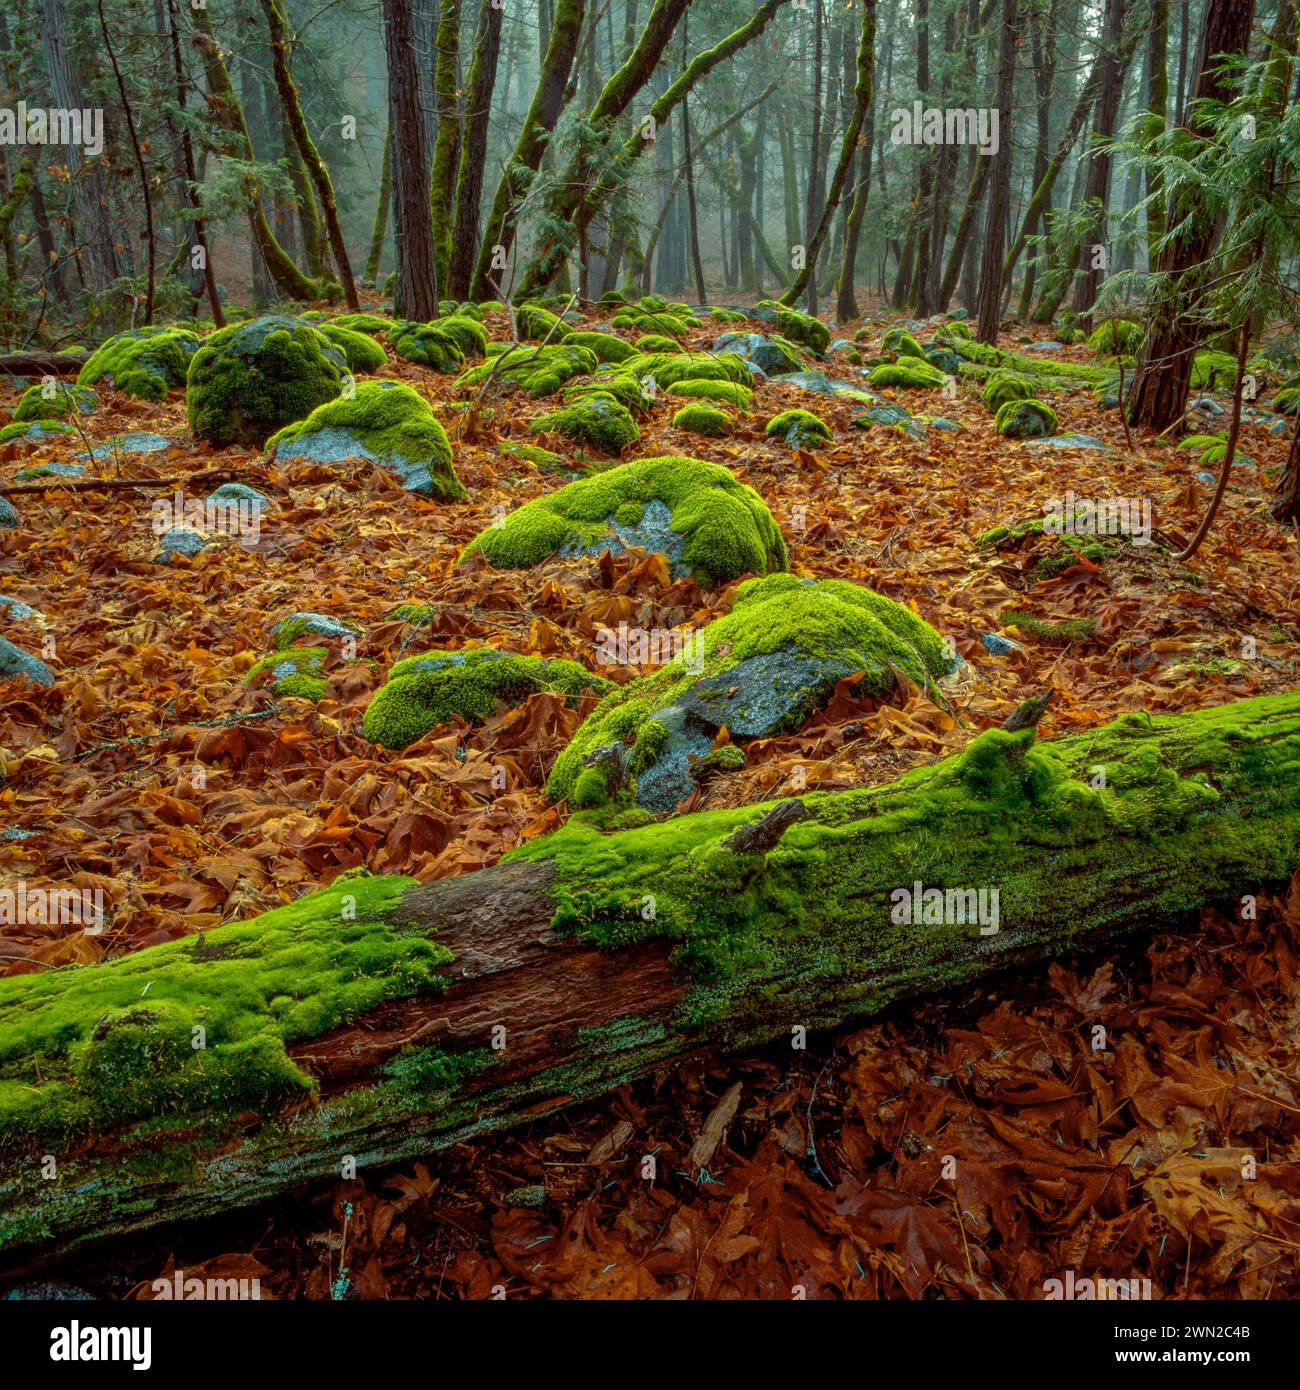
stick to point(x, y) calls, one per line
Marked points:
point(8, 513)
point(18, 664)
point(179, 540)
point(1069, 441)
point(771, 357)
point(654, 532)
point(137, 442)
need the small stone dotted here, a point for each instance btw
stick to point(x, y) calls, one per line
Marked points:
point(16, 663)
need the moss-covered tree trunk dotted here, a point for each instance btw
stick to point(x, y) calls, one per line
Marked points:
point(297, 123)
point(371, 276)
point(543, 112)
point(229, 117)
point(473, 149)
point(446, 143)
point(383, 1018)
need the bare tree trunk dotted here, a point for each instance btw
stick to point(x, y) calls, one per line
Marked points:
point(991, 274)
point(416, 293)
point(380, 227)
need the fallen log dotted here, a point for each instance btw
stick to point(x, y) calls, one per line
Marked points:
point(384, 1018)
point(42, 363)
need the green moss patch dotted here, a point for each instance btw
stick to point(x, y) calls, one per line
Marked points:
point(251, 379)
point(608, 347)
point(699, 418)
point(55, 401)
point(901, 342)
point(385, 421)
point(540, 371)
point(142, 362)
point(908, 372)
point(34, 431)
point(425, 691)
point(1025, 419)
point(597, 421)
point(1116, 338)
point(667, 369)
point(707, 523)
point(800, 429)
point(363, 354)
point(700, 388)
point(538, 322)
point(1004, 386)
point(366, 323)
point(798, 327)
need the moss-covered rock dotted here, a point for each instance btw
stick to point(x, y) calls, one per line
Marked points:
point(900, 342)
point(699, 418)
point(761, 670)
point(944, 360)
point(539, 323)
point(251, 379)
point(1215, 371)
point(707, 524)
point(623, 386)
point(391, 424)
point(773, 356)
point(608, 347)
point(1116, 338)
point(798, 327)
point(536, 455)
point(34, 431)
point(54, 400)
point(1025, 419)
point(656, 342)
point(1004, 386)
point(697, 388)
point(142, 362)
point(800, 429)
point(597, 420)
point(427, 690)
point(540, 371)
point(439, 345)
point(954, 328)
point(366, 323)
point(666, 369)
point(361, 351)
point(908, 372)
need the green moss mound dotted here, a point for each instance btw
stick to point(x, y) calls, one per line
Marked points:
point(1213, 371)
point(623, 386)
point(536, 455)
point(608, 347)
point(800, 429)
point(955, 328)
point(823, 631)
point(34, 431)
point(1004, 386)
point(539, 323)
point(1025, 419)
point(540, 371)
point(699, 418)
point(293, 671)
point(799, 328)
point(203, 1024)
point(1051, 634)
point(366, 323)
point(441, 345)
point(55, 402)
point(697, 388)
point(1116, 338)
point(251, 379)
point(393, 424)
point(598, 420)
point(142, 362)
point(908, 372)
point(709, 524)
point(666, 369)
point(656, 342)
point(900, 341)
point(425, 691)
point(363, 354)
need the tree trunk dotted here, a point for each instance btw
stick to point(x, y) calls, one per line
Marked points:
point(446, 145)
point(473, 150)
point(416, 293)
point(1157, 109)
point(383, 1018)
point(689, 169)
point(277, 22)
point(808, 275)
point(991, 273)
point(544, 111)
point(380, 228)
point(1160, 383)
point(1043, 39)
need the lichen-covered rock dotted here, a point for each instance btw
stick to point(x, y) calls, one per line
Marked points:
point(142, 362)
point(1025, 419)
point(33, 431)
point(608, 347)
point(55, 469)
point(1004, 386)
point(286, 631)
point(707, 524)
point(16, 664)
point(180, 540)
point(427, 690)
point(251, 379)
point(770, 356)
point(296, 672)
point(699, 418)
point(240, 494)
point(761, 670)
point(360, 350)
point(888, 415)
point(540, 371)
point(53, 400)
point(596, 420)
point(696, 388)
point(798, 327)
point(800, 429)
point(386, 422)
point(908, 372)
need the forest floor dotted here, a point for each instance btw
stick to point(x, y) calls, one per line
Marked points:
point(822, 1161)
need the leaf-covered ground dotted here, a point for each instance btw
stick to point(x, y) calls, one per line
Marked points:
point(822, 1169)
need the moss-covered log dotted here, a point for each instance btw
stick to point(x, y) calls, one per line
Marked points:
point(383, 1018)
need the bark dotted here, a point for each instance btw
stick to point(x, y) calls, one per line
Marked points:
point(809, 272)
point(229, 117)
point(964, 239)
point(1160, 383)
point(416, 294)
point(278, 24)
point(544, 111)
point(1042, 33)
point(1157, 107)
point(380, 228)
point(491, 999)
point(691, 206)
point(473, 150)
point(446, 145)
point(992, 272)
point(862, 98)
